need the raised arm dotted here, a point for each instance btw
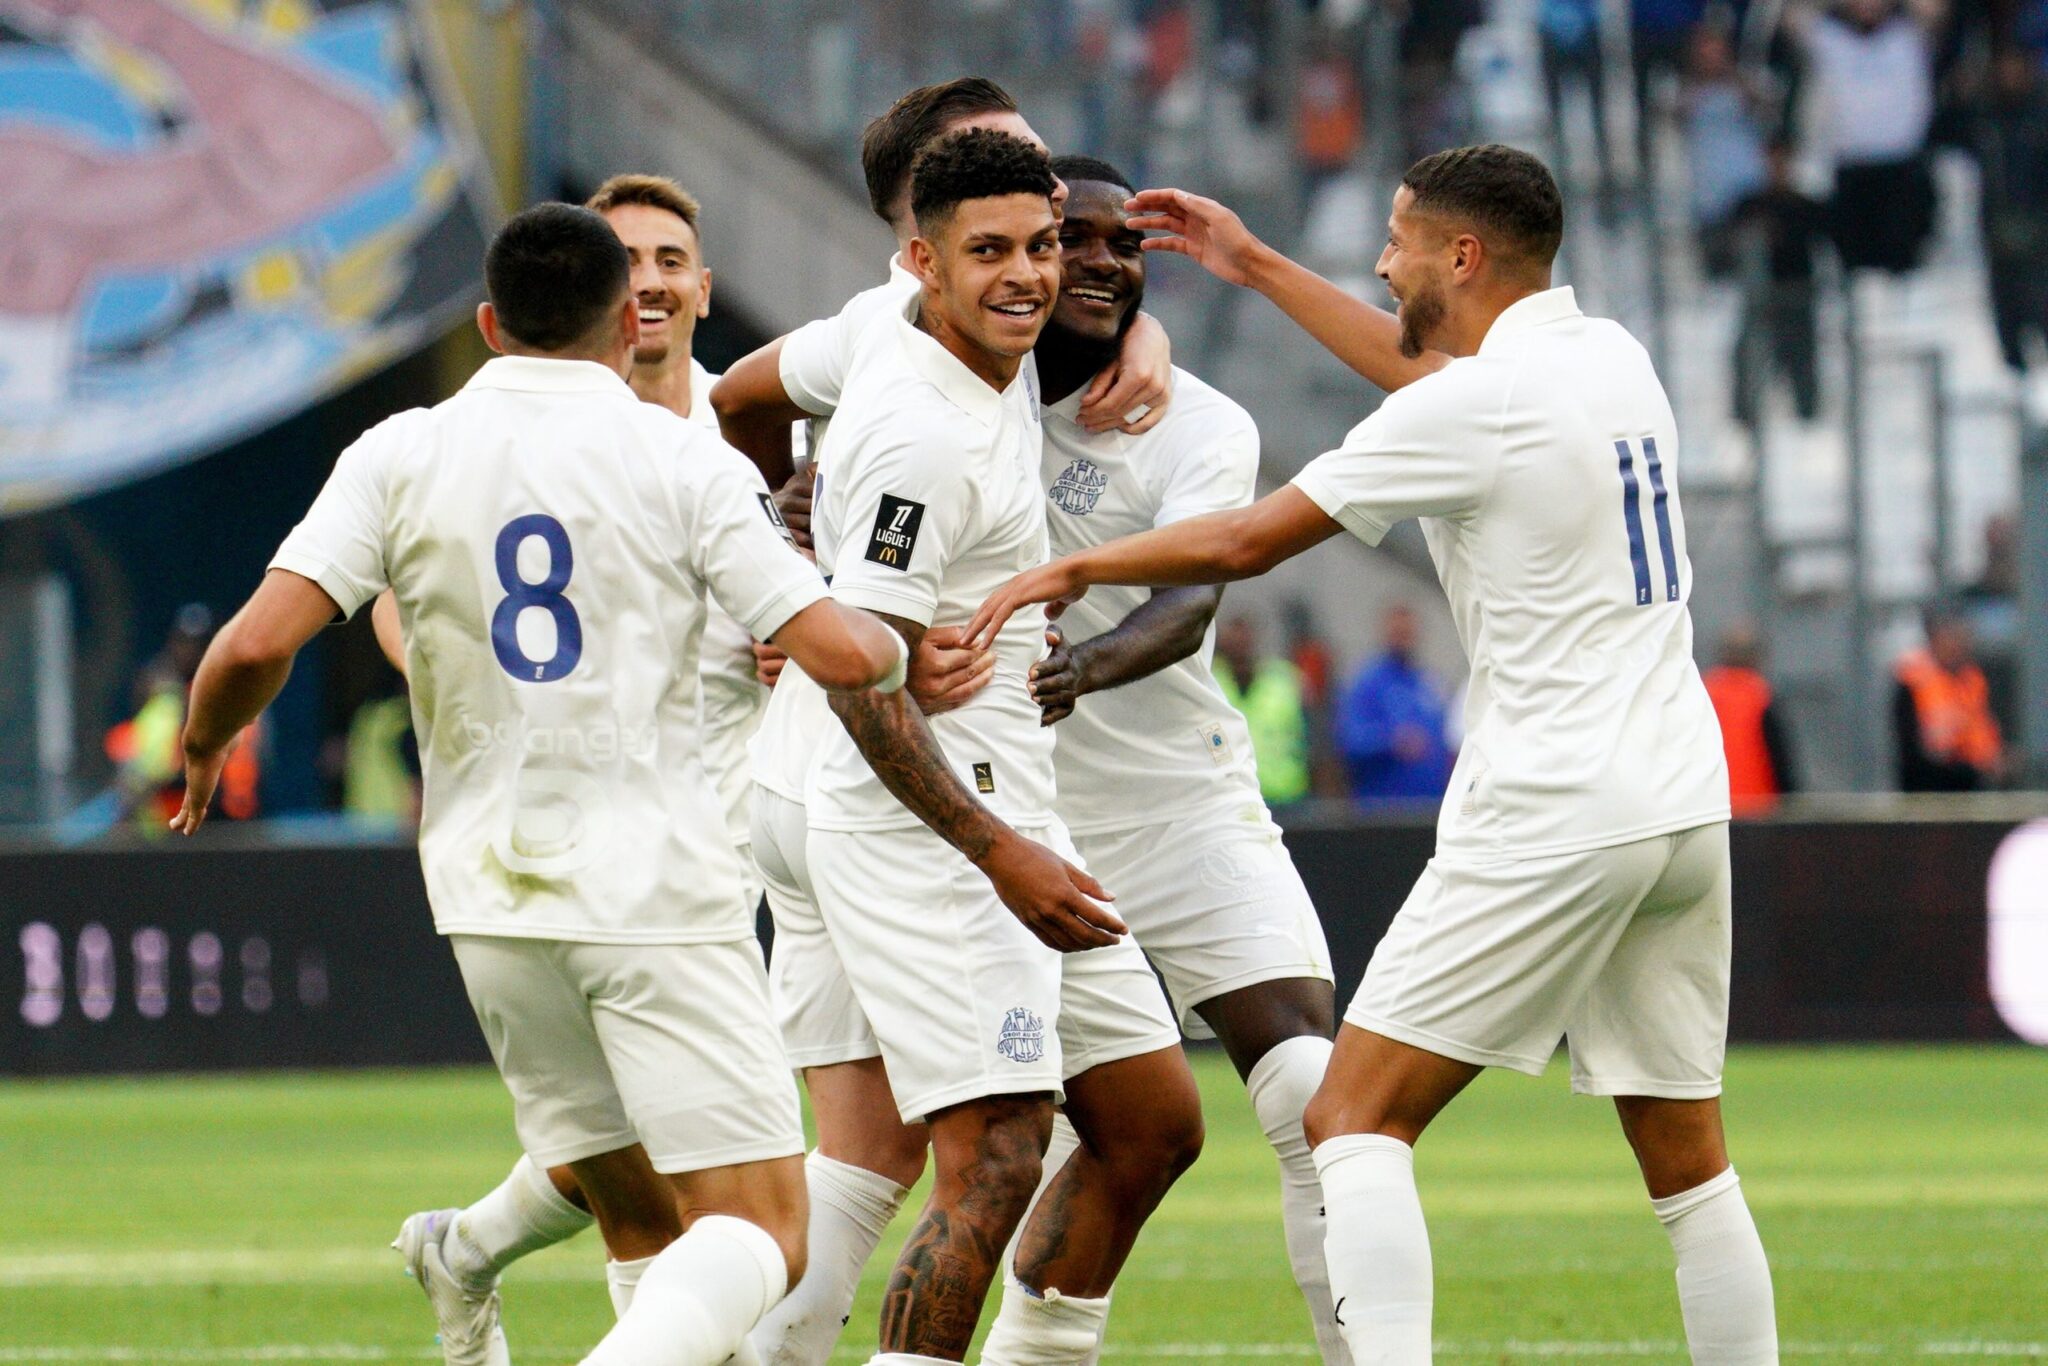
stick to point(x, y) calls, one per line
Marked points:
point(755, 412)
point(1050, 895)
point(1161, 631)
point(1366, 338)
point(244, 668)
point(1221, 547)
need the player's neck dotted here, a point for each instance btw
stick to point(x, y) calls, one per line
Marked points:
point(993, 368)
point(1463, 332)
point(666, 382)
point(1066, 362)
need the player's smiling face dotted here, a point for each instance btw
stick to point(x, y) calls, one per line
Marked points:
point(1102, 263)
point(993, 271)
point(668, 278)
point(1416, 267)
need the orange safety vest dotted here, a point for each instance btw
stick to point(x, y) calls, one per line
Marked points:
point(1956, 724)
point(1740, 698)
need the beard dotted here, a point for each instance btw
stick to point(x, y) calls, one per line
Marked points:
point(1422, 312)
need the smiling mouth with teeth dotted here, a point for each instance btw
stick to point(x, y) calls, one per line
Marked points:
point(1016, 308)
point(1091, 295)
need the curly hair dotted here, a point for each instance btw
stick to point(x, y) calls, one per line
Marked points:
point(891, 142)
point(1503, 192)
point(975, 163)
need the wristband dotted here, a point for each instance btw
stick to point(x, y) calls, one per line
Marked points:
point(894, 679)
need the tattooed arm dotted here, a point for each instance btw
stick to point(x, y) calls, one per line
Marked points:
point(1050, 895)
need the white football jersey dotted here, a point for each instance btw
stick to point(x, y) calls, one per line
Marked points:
point(733, 697)
point(1168, 745)
point(932, 486)
point(550, 539)
point(1544, 469)
point(816, 361)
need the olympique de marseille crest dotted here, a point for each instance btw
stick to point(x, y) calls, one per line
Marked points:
point(1023, 1037)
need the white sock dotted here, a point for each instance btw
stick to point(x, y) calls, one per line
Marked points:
point(1377, 1248)
point(1044, 1330)
point(850, 1210)
point(524, 1214)
point(1724, 1283)
point(622, 1279)
point(698, 1297)
point(1281, 1084)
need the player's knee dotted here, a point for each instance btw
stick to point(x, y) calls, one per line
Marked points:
point(790, 1236)
point(1329, 1114)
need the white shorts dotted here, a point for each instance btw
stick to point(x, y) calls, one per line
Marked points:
point(964, 1001)
point(821, 1021)
point(670, 1046)
point(1623, 950)
point(1214, 901)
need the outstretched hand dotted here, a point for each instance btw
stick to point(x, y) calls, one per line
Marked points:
point(1198, 228)
point(1049, 583)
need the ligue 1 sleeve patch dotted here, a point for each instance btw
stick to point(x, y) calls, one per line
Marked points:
point(896, 523)
point(775, 517)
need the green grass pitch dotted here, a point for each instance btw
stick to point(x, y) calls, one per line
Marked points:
point(1903, 1194)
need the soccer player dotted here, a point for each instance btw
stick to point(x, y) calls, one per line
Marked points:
point(867, 1158)
point(1580, 886)
point(933, 491)
point(1155, 767)
point(529, 1210)
point(550, 539)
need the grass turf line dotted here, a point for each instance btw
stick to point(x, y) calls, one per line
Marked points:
point(1902, 1193)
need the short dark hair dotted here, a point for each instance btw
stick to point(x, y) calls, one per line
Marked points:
point(553, 272)
point(1072, 167)
point(891, 142)
point(975, 163)
point(1497, 189)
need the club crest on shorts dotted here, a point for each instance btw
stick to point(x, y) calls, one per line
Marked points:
point(1079, 487)
point(1023, 1036)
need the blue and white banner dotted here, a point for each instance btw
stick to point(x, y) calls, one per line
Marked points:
point(213, 213)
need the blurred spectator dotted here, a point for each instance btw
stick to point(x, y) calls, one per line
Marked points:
point(1329, 118)
point(1569, 31)
point(1315, 663)
point(1948, 740)
point(147, 749)
point(1391, 725)
point(1268, 692)
point(1724, 143)
point(1753, 731)
point(1779, 334)
point(2012, 149)
point(1873, 69)
point(1657, 40)
point(1991, 604)
point(381, 772)
point(1435, 107)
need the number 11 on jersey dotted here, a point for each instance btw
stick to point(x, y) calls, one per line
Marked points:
point(1632, 515)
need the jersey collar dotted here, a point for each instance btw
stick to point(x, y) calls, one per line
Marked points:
point(701, 381)
point(963, 388)
point(539, 374)
point(1531, 310)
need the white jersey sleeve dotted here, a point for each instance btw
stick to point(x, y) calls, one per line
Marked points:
point(1217, 475)
point(339, 543)
point(817, 357)
point(739, 547)
point(1418, 456)
point(909, 505)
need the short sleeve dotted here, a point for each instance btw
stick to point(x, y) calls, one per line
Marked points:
point(739, 547)
point(909, 505)
point(1409, 459)
point(1217, 472)
point(814, 362)
point(339, 544)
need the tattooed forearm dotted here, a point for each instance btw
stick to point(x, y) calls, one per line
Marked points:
point(893, 736)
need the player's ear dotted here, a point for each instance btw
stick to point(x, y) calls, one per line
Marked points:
point(1468, 253)
point(487, 323)
point(704, 294)
point(629, 322)
point(923, 260)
